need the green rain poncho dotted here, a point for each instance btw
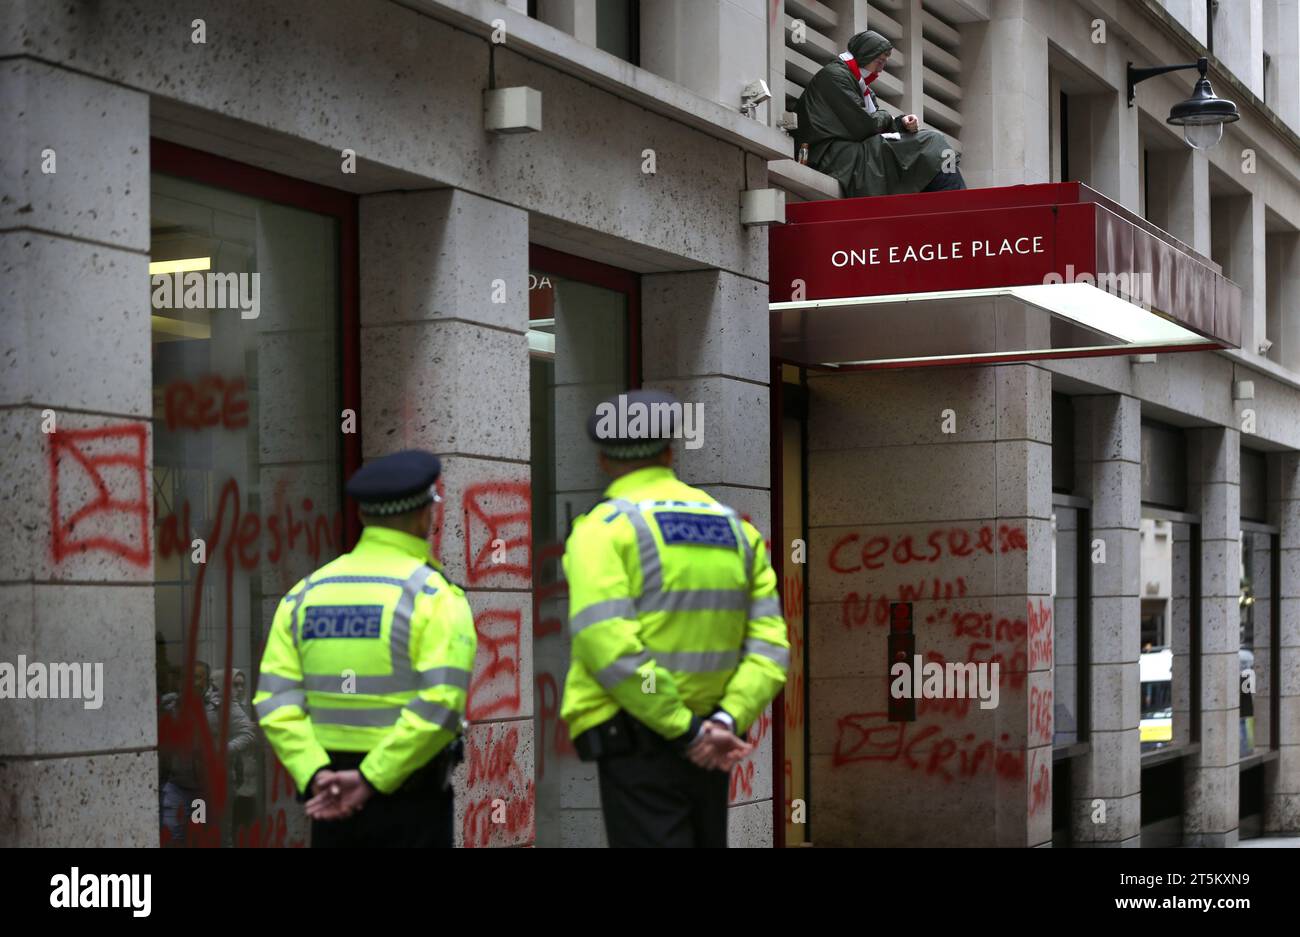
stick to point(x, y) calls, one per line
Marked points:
point(844, 139)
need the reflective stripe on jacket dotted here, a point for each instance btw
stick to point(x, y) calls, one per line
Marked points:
point(371, 653)
point(673, 609)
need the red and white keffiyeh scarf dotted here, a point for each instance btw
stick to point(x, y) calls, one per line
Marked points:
point(868, 99)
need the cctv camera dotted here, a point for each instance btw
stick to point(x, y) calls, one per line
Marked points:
point(755, 93)
point(1264, 346)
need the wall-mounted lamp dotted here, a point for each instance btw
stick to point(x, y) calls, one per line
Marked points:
point(762, 207)
point(512, 110)
point(1201, 116)
point(1243, 390)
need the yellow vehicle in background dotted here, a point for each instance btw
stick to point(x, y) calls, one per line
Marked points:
point(1155, 672)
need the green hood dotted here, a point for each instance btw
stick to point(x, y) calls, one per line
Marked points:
point(866, 46)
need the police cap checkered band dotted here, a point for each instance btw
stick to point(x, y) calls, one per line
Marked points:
point(619, 449)
point(395, 484)
point(636, 424)
point(400, 506)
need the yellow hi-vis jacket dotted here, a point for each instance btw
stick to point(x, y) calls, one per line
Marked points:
point(371, 653)
point(673, 610)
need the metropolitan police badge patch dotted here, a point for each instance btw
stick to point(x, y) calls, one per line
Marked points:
point(342, 621)
point(701, 530)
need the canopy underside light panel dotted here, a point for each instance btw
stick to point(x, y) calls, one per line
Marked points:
point(987, 275)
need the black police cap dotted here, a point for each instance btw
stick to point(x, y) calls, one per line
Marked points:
point(395, 484)
point(637, 424)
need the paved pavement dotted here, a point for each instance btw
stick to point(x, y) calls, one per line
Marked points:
point(1271, 842)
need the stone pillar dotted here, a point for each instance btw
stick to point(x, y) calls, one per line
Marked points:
point(931, 486)
point(1238, 233)
point(1282, 296)
point(1105, 128)
point(712, 47)
point(1239, 41)
point(444, 319)
point(705, 339)
point(1210, 776)
point(1107, 781)
point(1005, 109)
point(1286, 63)
point(1178, 184)
point(1191, 13)
point(76, 561)
point(1282, 777)
point(909, 16)
point(575, 17)
point(1254, 310)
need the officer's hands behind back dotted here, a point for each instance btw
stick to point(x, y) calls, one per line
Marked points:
point(717, 747)
point(338, 795)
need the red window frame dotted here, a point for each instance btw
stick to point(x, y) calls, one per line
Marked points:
point(172, 159)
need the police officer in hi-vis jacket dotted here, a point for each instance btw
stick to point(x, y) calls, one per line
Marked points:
point(363, 682)
point(678, 642)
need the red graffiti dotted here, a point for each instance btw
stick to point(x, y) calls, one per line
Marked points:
point(186, 731)
point(488, 819)
point(280, 531)
point(954, 706)
point(981, 625)
point(271, 831)
point(1040, 780)
point(115, 519)
point(494, 760)
point(498, 531)
point(858, 610)
point(847, 556)
point(793, 597)
point(1011, 538)
point(548, 712)
point(501, 800)
point(545, 588)
point(742, 775)
point(207, 402)
point(495, 688)
point(1040, 635)
point(1040, 716)
point(794, 700)
point(742, 780)
point(871, 737)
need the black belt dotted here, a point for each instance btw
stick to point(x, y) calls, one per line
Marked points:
point(621, 734)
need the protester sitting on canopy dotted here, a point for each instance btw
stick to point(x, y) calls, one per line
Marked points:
point(851, 137)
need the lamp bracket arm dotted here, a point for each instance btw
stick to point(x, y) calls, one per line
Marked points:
point(1137, 75)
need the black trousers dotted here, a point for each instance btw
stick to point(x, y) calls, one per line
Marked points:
point(418, 815)
point(404, 821)
point(655, 797)
point(946, 181)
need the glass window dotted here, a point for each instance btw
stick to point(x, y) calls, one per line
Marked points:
point(1069, 600)
point(246, 471)
point(1169, 601)
point(579, 335)
point(1257, 598)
